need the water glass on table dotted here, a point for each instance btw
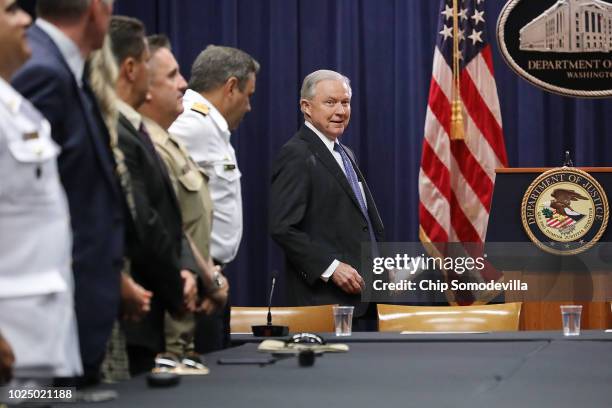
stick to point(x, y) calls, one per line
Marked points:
point(343, 320)
point(570, 315)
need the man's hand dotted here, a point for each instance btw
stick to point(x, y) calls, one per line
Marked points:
point(217, 298)
point(135, 300)
point(348, 279)
point(190, 290)
point(7, 359)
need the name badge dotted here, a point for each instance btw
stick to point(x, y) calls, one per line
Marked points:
point(30, 136)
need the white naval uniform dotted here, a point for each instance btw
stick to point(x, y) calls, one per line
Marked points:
point(36, 285)
point(207, 139)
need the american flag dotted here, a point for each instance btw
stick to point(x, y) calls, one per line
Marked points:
point(457, 176)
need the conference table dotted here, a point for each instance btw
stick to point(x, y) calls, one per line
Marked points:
point(518, 369)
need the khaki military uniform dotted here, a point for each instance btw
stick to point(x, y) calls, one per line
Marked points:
point(191, 189)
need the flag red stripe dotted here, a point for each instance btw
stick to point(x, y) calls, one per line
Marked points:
point(434, 231)
point(482, 116)
point(486, 55)
point(440, 106)
point(473, 173)
point(462, 226)
point(435, 170)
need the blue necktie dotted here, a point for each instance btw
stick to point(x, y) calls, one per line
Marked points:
point(351, 176)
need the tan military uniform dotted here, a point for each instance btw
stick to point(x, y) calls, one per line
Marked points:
point(191, 188)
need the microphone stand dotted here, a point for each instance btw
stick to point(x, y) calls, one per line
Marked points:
point(269, 329)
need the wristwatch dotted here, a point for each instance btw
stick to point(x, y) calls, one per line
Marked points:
point(217, 281)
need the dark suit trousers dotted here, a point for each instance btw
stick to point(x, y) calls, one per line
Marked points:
point(213, 332)
point(368, 321)
point(142, 359)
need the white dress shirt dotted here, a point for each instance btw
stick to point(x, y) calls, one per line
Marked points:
point(207, 139)
point(330, 145)
point(130, 114)
point(36, 283)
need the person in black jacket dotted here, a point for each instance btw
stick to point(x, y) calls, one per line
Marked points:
point(161, 259)
point(321, 209)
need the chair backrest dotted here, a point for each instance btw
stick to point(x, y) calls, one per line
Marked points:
point(499, 317)
point(299, 319)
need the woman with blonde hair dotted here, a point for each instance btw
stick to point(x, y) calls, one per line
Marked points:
point(103, 73)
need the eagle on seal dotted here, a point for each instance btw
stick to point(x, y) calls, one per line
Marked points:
point(562, 201)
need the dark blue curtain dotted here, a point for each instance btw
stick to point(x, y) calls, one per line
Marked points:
point(386, 48)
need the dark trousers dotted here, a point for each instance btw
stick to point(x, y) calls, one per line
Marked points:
point(368, 321)
point(212, 332)
point(141, 359)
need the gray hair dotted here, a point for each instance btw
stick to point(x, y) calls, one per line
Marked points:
point(312, 79)
point(60, 9)
point(216, 64)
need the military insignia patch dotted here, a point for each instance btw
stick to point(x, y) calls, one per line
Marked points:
point(200, 108)
point(565, 211)
point(30, 136)
point(562, 46)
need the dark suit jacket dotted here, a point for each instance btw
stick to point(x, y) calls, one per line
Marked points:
point(315, 218)
point(157, 246)
point(86, 168)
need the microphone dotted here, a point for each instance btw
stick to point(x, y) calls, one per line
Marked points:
point(568, 160)
point(269, 329)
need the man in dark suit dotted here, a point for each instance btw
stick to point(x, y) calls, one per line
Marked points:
point(321, 209)
point(161, 258)
point(61, 40)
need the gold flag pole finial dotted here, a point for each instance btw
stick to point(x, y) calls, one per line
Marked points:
point(457, 129)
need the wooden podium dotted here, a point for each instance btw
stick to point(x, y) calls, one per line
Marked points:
point(505, 225)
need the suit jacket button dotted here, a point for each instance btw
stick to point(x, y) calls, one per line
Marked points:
point(365, 229)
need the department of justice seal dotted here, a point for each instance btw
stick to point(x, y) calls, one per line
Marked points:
point(565, 211)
